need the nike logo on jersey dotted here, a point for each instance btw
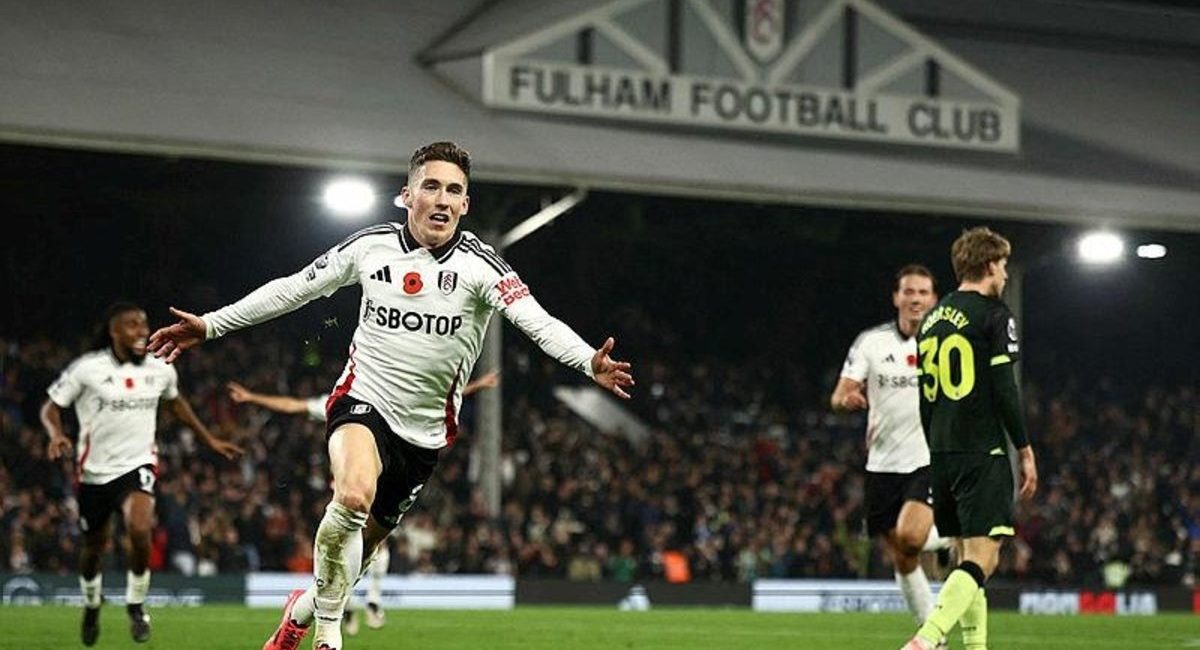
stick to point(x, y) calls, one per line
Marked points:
point(383, 275)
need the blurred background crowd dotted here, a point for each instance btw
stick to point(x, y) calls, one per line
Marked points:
point(746, 474)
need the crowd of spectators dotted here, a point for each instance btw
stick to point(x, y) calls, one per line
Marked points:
point(737, 480)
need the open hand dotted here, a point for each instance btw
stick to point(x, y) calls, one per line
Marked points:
point(612, 375)
point(168, 342)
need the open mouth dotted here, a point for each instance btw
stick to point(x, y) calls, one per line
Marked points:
point(440, 218)
point(138, 346)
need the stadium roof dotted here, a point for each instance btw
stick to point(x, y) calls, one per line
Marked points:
point(1108, 97)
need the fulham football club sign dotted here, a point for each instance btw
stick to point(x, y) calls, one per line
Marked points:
point(830, 68)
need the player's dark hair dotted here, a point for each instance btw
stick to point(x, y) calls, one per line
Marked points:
point(915, 269)
point(101, 339)
point(974, 250)
point(444, 151)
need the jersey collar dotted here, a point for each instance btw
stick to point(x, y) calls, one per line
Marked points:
point(112, 355)
point(897, 331)
point(442, 253)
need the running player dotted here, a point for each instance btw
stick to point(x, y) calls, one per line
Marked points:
point(116, 392)
point(970, 403)
point(880, 374)
point(429, 290)
point(314, 408)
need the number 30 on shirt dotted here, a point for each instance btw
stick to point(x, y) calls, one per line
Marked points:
point(937, 365)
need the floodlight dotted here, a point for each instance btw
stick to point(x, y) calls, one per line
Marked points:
point(349, 197)
point(1101, 247)
point(1151, 251)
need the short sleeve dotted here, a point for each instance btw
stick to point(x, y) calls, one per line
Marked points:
point(66, 389)
point(856, 366)
point(171, 390)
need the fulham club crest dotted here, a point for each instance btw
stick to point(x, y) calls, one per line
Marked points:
point(447, 281)
point(763, 29)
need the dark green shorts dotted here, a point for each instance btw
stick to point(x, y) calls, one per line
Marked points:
point(972, 494)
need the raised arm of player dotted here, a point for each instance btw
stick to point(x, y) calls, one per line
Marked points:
point(278, 403)
point(59, 444)
point(183, 411)
point(325, 275)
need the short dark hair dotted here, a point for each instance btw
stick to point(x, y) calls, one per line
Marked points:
point(444, 151)
point(101, 338)
point(974, 250)
point(915, 269)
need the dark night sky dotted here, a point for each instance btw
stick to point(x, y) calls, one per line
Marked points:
point(728, 280)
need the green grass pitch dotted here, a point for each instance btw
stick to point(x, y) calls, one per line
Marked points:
point(216, 627)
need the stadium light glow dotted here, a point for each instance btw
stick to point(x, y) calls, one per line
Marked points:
point(1101, 247)
point(1152, 251)
point(349, 197)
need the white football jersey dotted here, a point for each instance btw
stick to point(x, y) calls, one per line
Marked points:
point(886, 362)
point(420, 324)
point(117, 407)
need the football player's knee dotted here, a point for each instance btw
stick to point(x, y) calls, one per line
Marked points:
point(356, 496)
point(906, 564)
point(139, 531)
point(910, 540)
point(986, 561)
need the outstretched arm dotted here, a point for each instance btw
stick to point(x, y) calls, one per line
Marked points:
point(325, 275)
point(183, 411)
point(559, 341)
point(505, 291)
point(277, 403)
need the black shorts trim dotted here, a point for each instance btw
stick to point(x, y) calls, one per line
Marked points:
point(97, 503)
point(406, 467)
point(886, 493)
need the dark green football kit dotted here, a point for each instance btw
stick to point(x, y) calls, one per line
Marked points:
point(970, 403)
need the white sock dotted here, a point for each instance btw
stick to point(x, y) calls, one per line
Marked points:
point(338, 552)
point(935, 543)
point(305, 606)
point(917, 593)
point(378, 569)
point(91, 590)
point(136, 587)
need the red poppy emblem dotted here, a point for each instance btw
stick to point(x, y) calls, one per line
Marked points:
point(412, 282)
point(129, 383)
point(912, 361)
